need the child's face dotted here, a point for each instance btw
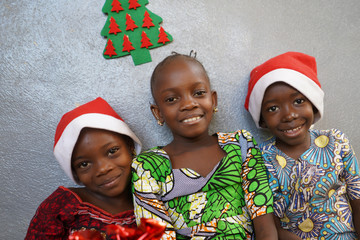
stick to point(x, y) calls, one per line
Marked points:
point(287, 113)
point(101, 161)
point(183, 98)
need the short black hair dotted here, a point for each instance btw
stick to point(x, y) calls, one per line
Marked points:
point(173, 56)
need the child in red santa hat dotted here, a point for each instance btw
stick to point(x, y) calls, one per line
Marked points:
point(94, 147)
point(313, 174)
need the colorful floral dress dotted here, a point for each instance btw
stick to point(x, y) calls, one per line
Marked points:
point(218, 206)
point(63, 212)
point(312, 193)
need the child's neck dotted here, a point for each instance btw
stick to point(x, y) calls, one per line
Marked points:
point(180, 145)
point(112, 205)
point(200, 154)
point(294, 151)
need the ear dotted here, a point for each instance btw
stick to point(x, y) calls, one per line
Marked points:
point(156, 113)
point(214, 99)
point(262, 122)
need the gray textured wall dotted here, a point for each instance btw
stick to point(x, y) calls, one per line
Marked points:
point(51, 60)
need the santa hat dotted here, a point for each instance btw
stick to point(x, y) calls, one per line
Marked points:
point(95, 114)
point(293, 68)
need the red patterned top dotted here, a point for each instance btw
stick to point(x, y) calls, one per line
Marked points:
point(63, 212)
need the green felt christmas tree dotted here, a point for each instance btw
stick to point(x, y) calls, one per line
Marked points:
point(132, 29)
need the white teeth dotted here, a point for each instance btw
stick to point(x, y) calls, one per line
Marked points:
point(191, 119)
point(292, 130)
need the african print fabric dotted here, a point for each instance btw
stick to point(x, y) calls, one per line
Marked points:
point(63, 212)
point(312, 193)
point(218, 206)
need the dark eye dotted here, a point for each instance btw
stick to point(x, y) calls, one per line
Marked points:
point(83, 165)
point(200, 93)
point(170, 99)
point(272, 108)
point(299, 101)
point(113, 150)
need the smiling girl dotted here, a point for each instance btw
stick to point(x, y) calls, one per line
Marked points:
point(201, 186)
point(95, 147)
point(314, 174)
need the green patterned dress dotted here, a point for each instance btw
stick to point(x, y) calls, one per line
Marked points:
point(218, 206)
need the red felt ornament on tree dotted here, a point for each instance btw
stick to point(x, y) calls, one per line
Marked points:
point(110, 50)
point(116, 6)
point(130, 24)
point(127, 44)
point(141, 26)
point(147, 20)
point(114, 27)
point(145, 41)
point(133, 4)
point(163, 36)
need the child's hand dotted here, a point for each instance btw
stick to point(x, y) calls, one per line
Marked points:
point(265, 228)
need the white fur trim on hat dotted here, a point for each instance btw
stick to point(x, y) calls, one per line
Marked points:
point(297, 80)
point(66, 143)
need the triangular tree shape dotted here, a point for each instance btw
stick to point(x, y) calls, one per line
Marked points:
point(130, 24)
point(110, 50)
point(145, 41)
point(114, 28)
point(133, 4)
point(142, 30)
point(116, 6)
point(163, 38)
point(147, 21)
point(127, 44)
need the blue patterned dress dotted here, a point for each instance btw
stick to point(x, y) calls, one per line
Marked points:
point(312, 193)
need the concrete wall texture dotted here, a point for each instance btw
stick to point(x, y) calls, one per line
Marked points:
point(51, 60)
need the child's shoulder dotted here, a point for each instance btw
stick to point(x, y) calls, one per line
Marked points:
point(152, 152)
point(332, 133)
point(321, 138)
point(60, 199)
point(152, 163)
point(154, 156)
point(238, 136)
point(61, 193)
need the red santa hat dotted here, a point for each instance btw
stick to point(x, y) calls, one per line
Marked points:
point(293, 68)
point(95, 114)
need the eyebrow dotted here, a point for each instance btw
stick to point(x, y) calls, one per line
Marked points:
point(193, 85)
point(295, 94)
point(76, 159)
point(103, 147)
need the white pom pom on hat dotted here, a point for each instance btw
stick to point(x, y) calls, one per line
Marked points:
point(94, 114)
point(293, 68)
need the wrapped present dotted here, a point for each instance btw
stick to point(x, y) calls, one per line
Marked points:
point(149, 229)
point(86, 235)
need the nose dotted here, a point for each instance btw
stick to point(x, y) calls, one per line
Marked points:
point(188, 103)
point(289, 114)
point(104, 166)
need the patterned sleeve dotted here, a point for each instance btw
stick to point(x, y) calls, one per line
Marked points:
point(46, 223)
point(150, 177)
point(351, 173)
point(258, 195)
point(279, 199)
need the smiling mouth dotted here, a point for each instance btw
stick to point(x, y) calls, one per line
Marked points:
point(293, 130)
point(191, 119)
point(110, 182)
